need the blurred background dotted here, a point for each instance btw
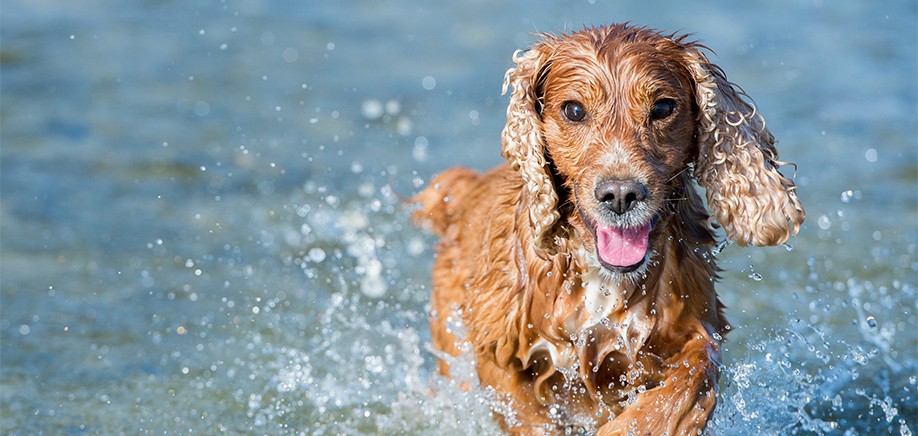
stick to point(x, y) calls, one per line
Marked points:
point(202, 229)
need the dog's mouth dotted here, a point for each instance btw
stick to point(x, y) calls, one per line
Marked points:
point(622, 249)
point(622, 240)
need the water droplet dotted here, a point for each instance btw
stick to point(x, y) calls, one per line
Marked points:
point(404, 126)
point(846, 196)
point(393, 107)
point(755, 276)
point(429, 83)
point(419, 152)
point(871, 322)
point(372, 109)
point(720, 247)
point(290, 55)
point(316, 254)
point(788, 247)
point(201, 108)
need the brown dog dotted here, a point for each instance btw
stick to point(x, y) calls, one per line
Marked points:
point(583, 269)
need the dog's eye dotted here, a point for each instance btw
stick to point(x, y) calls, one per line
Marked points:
point(573, 111)
point(662, 109)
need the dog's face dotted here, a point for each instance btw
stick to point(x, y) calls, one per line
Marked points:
point(618, 120)
point(608, 120)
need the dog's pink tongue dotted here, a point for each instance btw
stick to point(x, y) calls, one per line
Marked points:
point(622, 247)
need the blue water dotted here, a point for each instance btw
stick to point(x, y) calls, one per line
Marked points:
point(201, 231)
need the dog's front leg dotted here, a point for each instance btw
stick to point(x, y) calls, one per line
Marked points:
point(683, 401)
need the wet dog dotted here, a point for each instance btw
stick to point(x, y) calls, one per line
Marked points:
point(582, 269)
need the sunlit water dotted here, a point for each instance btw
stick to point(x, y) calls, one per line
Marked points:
point(202, 229)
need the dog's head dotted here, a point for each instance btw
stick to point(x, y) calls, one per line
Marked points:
point(612, 118)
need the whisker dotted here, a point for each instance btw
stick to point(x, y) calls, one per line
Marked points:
point(677, 174)
point(567, 201)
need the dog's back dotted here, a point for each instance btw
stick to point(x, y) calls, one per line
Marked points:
point(439, 201)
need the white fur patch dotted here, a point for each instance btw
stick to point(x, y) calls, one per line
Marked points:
point(616, 157)
point(601, 296)
point(604, 301)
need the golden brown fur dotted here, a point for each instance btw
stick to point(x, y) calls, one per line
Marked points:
point(569, 337)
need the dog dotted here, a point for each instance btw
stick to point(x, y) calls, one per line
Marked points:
point(583, 269)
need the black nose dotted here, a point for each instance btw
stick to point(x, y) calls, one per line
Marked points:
point(620, 196)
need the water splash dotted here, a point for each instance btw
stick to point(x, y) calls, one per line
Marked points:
point(370, 368)
point(802, 379)
point(721, 247)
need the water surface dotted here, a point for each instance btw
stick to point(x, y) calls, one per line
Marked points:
point(202, 231)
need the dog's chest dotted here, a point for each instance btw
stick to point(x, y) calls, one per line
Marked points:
point(606, 306)
point(602, 320)
point(600, 299)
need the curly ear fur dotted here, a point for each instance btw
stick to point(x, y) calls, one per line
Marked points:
point(523, 147)
point(738, 163)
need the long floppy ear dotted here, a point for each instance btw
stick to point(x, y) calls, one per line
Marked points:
point(523, 147)
point(738, 163)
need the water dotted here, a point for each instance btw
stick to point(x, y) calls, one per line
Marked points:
point(202, 229)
